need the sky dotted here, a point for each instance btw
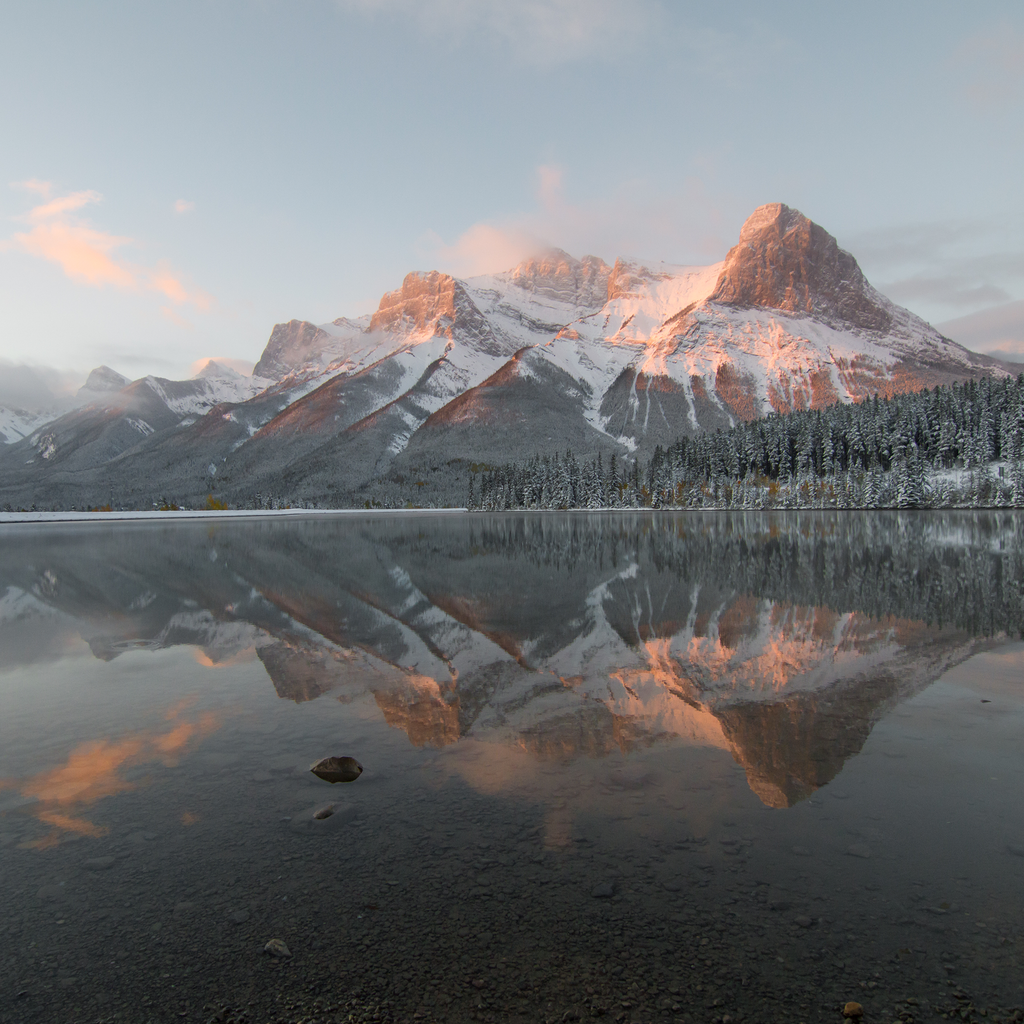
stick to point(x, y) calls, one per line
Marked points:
point(177, 178)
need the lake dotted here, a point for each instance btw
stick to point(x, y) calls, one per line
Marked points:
point(721, 767)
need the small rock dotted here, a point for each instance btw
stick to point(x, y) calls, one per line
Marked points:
point(238, 916)
point(803, 920)
point(337, 769)
point(340, 818)
point(277, 947)
point(858, 850)
point(603, 890)
point(323, 812)
point(853, 1010)
point(99, 863)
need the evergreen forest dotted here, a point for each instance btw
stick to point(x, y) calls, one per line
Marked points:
point(954, 446)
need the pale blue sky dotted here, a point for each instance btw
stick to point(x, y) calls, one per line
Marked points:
point(202, 170)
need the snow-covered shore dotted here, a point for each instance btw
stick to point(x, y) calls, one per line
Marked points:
point(175, 516)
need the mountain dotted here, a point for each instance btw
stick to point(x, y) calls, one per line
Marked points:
point(557, 353)
point(17, 422)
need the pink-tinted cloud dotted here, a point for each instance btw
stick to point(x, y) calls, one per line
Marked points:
point(89, 255)
point(549, 186)
point(635, 220)
point(184, 206)
point(486, 249)
point(176, 318)
point(82, 253)
point(992, 66)
point(43, 188)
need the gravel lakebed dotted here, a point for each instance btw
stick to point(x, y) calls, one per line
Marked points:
point(461, 905)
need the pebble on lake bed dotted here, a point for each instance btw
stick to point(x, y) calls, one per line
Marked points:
point(337, 769)
point(323, 812)
point(854, 1011)
point(277, 947)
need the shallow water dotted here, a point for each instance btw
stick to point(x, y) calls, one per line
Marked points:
point(628, 767)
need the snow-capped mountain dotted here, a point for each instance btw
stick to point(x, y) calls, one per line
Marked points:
point(17, 423)
point(557, 353)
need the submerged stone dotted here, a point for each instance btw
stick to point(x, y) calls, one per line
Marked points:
point(337, 769)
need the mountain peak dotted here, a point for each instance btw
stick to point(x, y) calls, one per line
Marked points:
point(772, 216)
point(424, 298)
point(785, 261)
point(103, 380)
point(290, 346)
point(220, 371)
point(555, 274)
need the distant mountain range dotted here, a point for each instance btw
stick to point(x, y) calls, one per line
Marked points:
point(557, 353)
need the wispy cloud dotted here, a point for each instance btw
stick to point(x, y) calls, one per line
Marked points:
point(184, 206)
point(687, 226)
point(87, 254)
point(945, 289)
point(990, 66)
point(942, 266)
point(483, 249)
point(555, 32)
point(36, 388)
point(998, 331)
point(539, 30)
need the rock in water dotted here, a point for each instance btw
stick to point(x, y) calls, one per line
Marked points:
point(337, 769)
point(277, 947)
point(853, 1011)
point(324, 812)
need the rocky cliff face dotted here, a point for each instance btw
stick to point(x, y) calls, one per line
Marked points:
point(556, 353)
point(101, 381)
point(291, 345)
point(555, 274)
point(785, 262)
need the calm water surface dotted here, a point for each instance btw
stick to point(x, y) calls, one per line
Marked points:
point(680, 767)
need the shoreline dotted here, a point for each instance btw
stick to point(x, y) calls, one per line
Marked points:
point(157, 515)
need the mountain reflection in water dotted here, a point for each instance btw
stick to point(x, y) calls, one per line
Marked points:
point(781, 638)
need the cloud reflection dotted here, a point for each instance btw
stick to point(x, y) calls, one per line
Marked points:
point(94, 770)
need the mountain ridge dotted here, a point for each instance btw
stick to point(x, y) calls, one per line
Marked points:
point(557, 352)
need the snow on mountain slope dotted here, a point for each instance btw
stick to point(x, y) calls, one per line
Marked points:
point(16, 424)
point(561, 352)
point(555, 353)
point(215, 384)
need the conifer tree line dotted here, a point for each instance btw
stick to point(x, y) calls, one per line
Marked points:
point(951, 570)
point(954, 446)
